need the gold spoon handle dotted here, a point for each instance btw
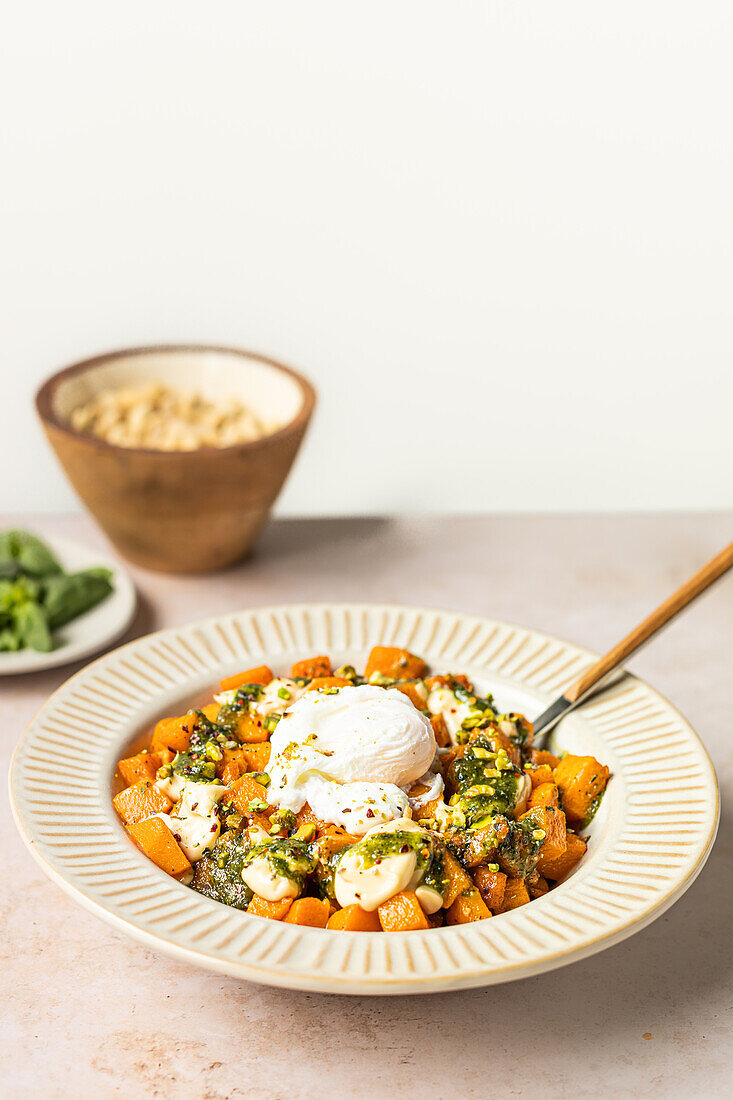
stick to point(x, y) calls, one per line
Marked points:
point(689, 591)
point(684, 595)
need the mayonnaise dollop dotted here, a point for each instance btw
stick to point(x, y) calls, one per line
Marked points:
point(357, 884)
point(349, 754)
point(442, 700)
point(261, 878)
point(193, 820)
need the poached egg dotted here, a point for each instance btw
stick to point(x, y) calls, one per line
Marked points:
point(350, 754)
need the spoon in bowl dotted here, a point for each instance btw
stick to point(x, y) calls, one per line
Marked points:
point(588, 684)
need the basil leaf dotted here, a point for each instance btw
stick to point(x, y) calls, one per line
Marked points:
point(69, 595)
point(29, 553)
point(32, 627)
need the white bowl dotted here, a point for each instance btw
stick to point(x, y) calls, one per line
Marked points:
point(654, 830)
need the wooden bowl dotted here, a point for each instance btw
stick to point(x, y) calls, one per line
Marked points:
point(180, 511)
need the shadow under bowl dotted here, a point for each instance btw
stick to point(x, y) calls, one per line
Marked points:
point(180, 511)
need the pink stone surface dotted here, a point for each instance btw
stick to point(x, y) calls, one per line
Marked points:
point(86, 1012)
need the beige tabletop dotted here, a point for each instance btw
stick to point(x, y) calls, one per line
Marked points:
point(88, 1013)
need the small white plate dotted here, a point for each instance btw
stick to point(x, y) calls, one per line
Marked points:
point(89, 632)
point(651, 836)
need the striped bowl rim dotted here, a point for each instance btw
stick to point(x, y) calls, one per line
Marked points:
point(655, 828)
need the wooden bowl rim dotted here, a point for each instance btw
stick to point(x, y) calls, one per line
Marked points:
point(44, 400)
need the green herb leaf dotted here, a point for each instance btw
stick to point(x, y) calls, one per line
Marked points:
point(69, 595)
point(32, 627)
point(29, 554)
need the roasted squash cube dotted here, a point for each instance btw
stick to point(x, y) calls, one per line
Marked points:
point(402, 913)
point(310, 912)
point(141, 801)
point(173, 733)
point(352, 918)
point(469, 906)
point(312, 666)
point(140, 768)
point(562, 864)
point(580, 779)
point(458, 880)
point(395, 663)
point(515, 894)
point(273, 910)
point(491, 885)
point(260, 675)
point(155, 839)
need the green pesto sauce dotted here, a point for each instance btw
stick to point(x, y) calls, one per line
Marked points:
point(218, 874)
point(325, 870)
point(470, 770)
point(519, 850)
point(292, 858)
point(427, 847)
point(592, 810)
point(199, 762)
point(229, 714)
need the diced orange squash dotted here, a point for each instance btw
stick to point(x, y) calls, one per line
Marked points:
point(139, 768)
point(498, 741)
point(312, 666)
point(402, 913)
point(397, 664)
point(443, 762)
point(491, 886)
point(232, 763)
point(250, 729)
point(544, 794)
point(174, 733)
point(541, 774)
point(433, 682)
point(311, 912)
point(140, 802)
point(260, 675)
point(515, 894)
point(427, 810)
point(458, 880)
point(580, 779)
point(352, 918)
point(552, 823)
point(442, 737)
point(211, 711)
point(537, 886)
point(469, 906)
point(305, 816)
point(273, 910)
point(245, 790)
point(560, 866)
point(335, 840)
point(541, 756)
point(232, 770)
point(257, 757)
point(321, 682)
point(410, 690)
point(156, 840)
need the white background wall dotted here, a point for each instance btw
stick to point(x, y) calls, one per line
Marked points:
point(496, 235)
